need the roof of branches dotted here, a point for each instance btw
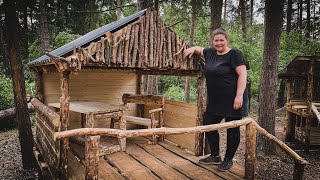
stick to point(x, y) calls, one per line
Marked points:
point(299, 67)
point(87, 38)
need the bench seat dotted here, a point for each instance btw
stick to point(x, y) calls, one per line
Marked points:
point(140, 121)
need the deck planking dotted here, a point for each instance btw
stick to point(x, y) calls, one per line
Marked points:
point(144, 161)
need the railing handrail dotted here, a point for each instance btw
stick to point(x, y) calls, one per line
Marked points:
point(281, 144)
point(147, 132)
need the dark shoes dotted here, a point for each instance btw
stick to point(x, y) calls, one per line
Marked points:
point(225, 165)
point(211, 160)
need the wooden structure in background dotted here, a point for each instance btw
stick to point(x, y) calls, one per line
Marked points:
point(302, 107)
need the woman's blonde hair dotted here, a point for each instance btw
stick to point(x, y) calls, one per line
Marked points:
point(220, 31)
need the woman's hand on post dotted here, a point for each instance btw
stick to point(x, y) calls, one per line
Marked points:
point(188, 52)
point(237, 104)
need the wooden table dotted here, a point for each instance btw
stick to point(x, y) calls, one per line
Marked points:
point(89, 110)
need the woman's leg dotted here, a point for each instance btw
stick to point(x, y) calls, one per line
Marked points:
point(213, 136)
point(233, 139)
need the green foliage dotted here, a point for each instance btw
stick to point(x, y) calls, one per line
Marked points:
point(175, 93)
point(6, 95)
point(63, 38)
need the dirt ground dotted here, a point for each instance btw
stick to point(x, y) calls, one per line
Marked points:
point(278, 166)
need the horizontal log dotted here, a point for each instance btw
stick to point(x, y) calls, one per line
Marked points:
point(148, 132)
point(143, 99)
point(281, 144)
point(9, 114)
point(49, 113)
point(155, 110)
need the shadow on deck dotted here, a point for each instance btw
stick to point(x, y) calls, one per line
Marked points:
point(143, 161)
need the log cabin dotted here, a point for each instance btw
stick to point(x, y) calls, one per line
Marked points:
point(302, 100)
point(87, 89)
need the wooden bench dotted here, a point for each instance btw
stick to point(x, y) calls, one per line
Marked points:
point(151, 100)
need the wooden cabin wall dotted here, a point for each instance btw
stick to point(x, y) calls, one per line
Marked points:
point(178, 115)
point(92, 85)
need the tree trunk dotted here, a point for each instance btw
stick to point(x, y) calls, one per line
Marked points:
point(216, 11)
point(143, 4)
point(24, 124)
point(251, 12)
point(193, 4)
point(289, 16)
point(300, 8)
point(44, 30)
point(225, 10)
point(308, 20)
point(243, 17)
point(268, 82)
point(118, 9)
point(281, 96)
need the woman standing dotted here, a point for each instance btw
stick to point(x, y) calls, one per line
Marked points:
point(226, 75)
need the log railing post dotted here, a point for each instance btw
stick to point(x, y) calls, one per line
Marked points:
point(92, 157)
point(64, 119)
point(250, 154)
point(309, 104)
point(200, 105)
point(298, 171)
point(290, 124)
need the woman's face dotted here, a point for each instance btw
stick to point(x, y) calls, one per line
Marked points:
point(220, 43)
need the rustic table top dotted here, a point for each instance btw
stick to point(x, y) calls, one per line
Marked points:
point(87, 107)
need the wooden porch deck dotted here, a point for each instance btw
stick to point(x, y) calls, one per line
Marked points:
point(144, 161)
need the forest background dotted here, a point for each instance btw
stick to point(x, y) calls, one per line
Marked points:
point(45, 25)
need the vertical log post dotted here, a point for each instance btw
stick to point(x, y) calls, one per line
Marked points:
point(64, 119)
point(309, 104)
point(92, 157)
point(250, 154)
point(123, 126)
point(298, 171)
point(200, 106)
point(39, 83)
point(290, 124)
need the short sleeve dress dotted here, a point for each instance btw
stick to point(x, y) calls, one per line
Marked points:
point(222, 81)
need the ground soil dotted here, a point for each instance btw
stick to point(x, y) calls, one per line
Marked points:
point(279, 166)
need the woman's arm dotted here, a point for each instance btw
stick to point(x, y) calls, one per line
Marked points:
point(242, 81)
point(193, 50)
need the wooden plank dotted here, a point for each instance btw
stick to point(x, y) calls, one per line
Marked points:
point(155, 165)
point(194, 159)
point(75, 168)
point(107, 172)
point(178, 163)
point(129, 167)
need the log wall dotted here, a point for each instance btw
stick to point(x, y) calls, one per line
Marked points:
point(92, 85)
point(144, 44)
point(49, 148)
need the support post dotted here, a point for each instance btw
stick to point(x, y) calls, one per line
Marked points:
point(92, 157)
point(122, 126)
point(64, 119)
point(290, 124)
point(298, 171)
point(309, 105)
point(200, 106)
point(250, 154)
point(39, 83)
